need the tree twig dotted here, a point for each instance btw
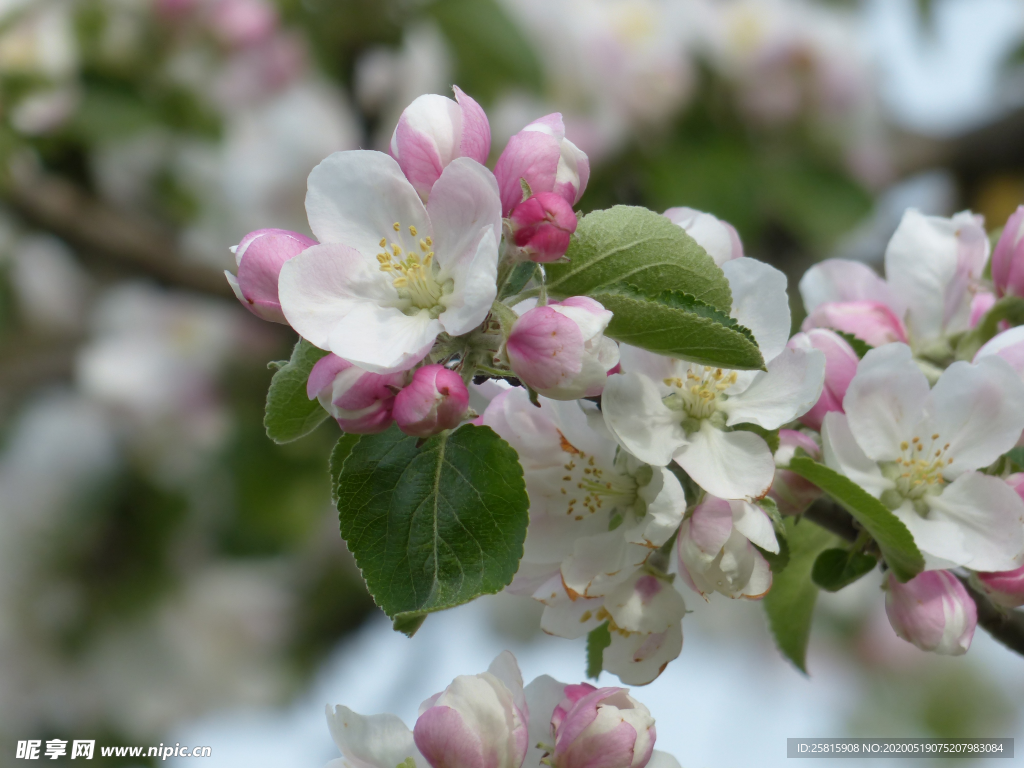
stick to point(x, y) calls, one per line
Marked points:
point(59, 206)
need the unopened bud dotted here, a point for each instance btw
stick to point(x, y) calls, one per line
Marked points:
point(1008, 257)
point(542, 225)
point(259, 257)
point(933, 611)
point(870, 321)
point(840, 367)
point(601, 728)
point(360, 401)
point(434, 401)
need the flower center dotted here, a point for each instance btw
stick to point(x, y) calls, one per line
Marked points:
point(413, 272)
point(918, 472)
point(697, 396)
point(589, 487)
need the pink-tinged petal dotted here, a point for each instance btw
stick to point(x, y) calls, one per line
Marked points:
point(435, 400)
point(506, 669)
point(1008, 345)
point(529, 155)
point(419, 158)
point(886, 401)
point(545, 348)
point(542, 226)
point(464, 202)
point(260, 256)
point(933, 611)
point(982, 302)
point(792, 493)
point(476, 131)
point(323, 374)
point(573, 173)
point(638, 659)
point(709, 528)
point(570, 695)
point(611, 749)
point(1004, 587)
point(444, 740)
point(356, 197)
point(1008, 257)
point(840, 280)
point(731, 465)
point(840, 368)
point(872, 322)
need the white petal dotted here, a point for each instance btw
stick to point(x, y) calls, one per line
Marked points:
point(463, 201)
point(730, 465)
point(885, 401)
point(666, 503)
point(846, 457)
point(788, 389)
point(645, 604)
point(570, 619)
point(638, 659)
point(1008, 345)
point(506, 669)
point(760, 303)
point(838, 280)
point(374, 741)
point(977, 409)
point(356, 197)
point(543, 694)
point(920, 263)
point(655, 367)
point(635, 414)
point(977, 522)
point(321, 285)
point(475, 285)
point(383, 339)
point(600, 563)
point(754, 523)
point(760, 578)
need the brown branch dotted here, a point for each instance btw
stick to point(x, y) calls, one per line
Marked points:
point(62, 208)
point(1006, 626)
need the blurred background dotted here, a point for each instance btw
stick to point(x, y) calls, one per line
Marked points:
point(167, 574)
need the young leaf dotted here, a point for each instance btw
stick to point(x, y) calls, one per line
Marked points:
point(893, 538)
point(838, 568)
point(678, 325)
point(521, 275)
point(859, 346)
point(598, 639)
point(790, 602)
point(635, 245)
point(434, 526)
point(290, 414)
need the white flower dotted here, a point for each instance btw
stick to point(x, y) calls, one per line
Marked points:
point(661, 409)
point(596, 512)
point(716, 549)
point(917, 450)
point(390, 274)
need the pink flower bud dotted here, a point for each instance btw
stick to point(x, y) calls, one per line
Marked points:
point(259, 258)
point(1008, 345)
point(1007, 587)
point(981, 303)
point(542, 156)
point(791, 493)
point(601, 728)
point(433, 131)
point(719, 238)
point(542, 226)
point(870, 321)
point(479, 721)
point(1008, 257)
point(933, 611)
point(360, 401)
point(243, 23)
point(840, 367)
point(560, 350)
point(434, 401)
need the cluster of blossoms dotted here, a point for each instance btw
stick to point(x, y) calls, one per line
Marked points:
point(640, 467)
point(492, 720)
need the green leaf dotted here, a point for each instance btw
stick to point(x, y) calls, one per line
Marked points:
point(521, 275)
point(860, 347)
point(290, 414)
point(434, 526)
point(626, 244)
point(838, 568)
point(341, 451)
point(678, 325)
point(893, 538)
point(598, 639)
point(790, 602)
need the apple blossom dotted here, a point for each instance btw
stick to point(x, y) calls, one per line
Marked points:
point(542, 225)
point(916, 450)
point(360, 401)
point(664, 410)
point(479, 721)
point(435, 400)
point(716, 550)
point(719, 238)
point(1008, 257)
point(933, 611)
point(541, 156)
point(840, 367)
point(1006, 587)
point(790, 492)
point(601, 728)
point(259, 257)
point(374, 741)
point(433, 131)
point(373, 291)
point(596, 512)
point(560, 350)
point(932, 267)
